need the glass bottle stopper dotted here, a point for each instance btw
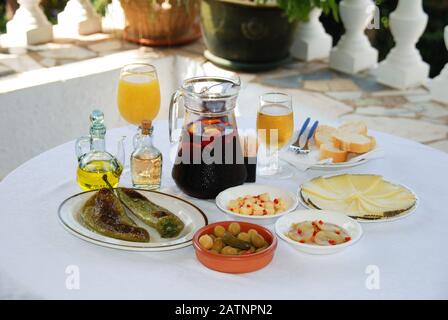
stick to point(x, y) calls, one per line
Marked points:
point(97, 127)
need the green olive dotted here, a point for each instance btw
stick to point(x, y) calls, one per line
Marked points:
point(261, 248)
point(249, 251)
point(218, 244)
point(228, 250)
point(244, 236)
point(257, 240)
point(206, 241)
point(252, 231)
point(234, 228)
point(219, 231)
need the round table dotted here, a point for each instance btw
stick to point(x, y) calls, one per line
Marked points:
point(406, 258)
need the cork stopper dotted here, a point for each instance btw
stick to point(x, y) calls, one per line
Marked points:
point(146, 126)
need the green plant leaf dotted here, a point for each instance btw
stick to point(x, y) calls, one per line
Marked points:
point(299, 10)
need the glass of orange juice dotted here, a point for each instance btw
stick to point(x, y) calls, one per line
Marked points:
point(275, 128)
point(138, 93)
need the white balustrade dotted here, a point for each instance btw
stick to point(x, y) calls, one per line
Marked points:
point(404, 67)
point(354, 52)
point(79, 18)
point(439, 86)
point(310, 39)
point(29, 25)
point(114, 18)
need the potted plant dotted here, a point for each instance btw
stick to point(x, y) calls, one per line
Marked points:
point(254, 34)
point(161, 22)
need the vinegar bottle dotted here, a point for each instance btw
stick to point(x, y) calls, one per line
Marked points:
point(146, 160)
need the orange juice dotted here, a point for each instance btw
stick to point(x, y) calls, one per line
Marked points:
point(273, 117)
point(138, 97)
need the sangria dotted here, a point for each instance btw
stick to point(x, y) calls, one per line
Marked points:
point(209, 157)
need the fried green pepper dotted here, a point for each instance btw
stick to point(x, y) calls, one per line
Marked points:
point(166, 223)
point(104, 213)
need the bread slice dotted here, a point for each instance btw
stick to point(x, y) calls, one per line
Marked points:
point(358, 127)
point(353, 142)
point(323, 134)
point(329, 151)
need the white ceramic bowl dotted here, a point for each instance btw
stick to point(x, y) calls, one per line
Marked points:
point(353, 228)
point(233, 193)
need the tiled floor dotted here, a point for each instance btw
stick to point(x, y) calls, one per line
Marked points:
point(409, 114)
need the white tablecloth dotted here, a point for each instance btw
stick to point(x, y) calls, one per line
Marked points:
point(411, 254)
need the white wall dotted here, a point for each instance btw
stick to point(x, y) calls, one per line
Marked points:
point(38, 117)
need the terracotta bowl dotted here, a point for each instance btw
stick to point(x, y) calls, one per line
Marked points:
point(235, 264)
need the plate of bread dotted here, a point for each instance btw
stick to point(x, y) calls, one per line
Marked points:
point(344, 146)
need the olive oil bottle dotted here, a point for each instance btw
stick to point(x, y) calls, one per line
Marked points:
point(96, 161)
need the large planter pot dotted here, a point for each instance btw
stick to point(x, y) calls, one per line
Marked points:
point(245, 36)
point(161, 22)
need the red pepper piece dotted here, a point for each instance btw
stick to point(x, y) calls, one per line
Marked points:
point(332, 242)
point(348, 238)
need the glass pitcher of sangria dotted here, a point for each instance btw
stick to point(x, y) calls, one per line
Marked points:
point(209, 157)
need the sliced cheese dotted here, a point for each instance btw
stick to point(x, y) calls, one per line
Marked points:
point(323, 183)
point(368, 196)
point(364, 182)
point(342, 184)
point(324, 204)
point(319, 191)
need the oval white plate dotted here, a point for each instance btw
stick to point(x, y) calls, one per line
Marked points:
point(363, 220)
point(192, 216)
point(225, 196)
point(353, 228)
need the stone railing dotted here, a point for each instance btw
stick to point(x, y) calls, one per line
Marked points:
point(403, 67)
point(29, 26)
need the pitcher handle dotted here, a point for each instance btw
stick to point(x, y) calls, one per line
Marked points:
point(173, 113)
point(79, 146)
